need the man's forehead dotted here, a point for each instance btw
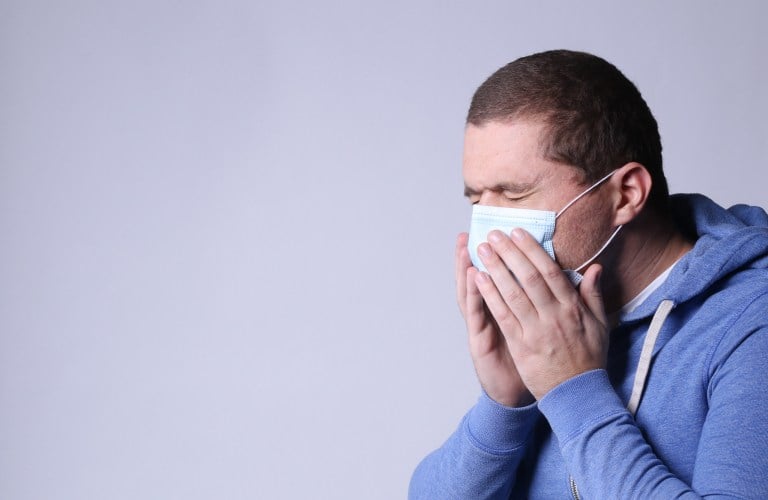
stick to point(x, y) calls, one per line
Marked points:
point(507, 156)
point(503, 156)
point(496, 137)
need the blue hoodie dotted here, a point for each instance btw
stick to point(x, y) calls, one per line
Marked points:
point(701, 428)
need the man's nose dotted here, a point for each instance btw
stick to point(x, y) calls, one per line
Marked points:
point(490, 198)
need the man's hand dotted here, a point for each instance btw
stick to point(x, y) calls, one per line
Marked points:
point(553, 332)
point(492, 359)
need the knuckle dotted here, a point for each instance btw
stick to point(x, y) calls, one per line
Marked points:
point(552, 273)
point(505, 320)
point(513, 295)
point(570, 317)
point(532, 277)
point(572, 303)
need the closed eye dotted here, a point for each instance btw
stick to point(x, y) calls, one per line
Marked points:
point(514, 197)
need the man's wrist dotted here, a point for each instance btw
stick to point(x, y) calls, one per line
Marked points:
point(500, 429)
point(583, 398)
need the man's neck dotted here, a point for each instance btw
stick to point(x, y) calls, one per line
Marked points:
point(648, 250)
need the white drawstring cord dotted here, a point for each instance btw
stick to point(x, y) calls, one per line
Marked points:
point(644, 364)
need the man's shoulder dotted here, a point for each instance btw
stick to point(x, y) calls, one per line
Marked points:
point(730, 311)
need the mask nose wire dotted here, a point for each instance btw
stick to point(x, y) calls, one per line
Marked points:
point(589, 189)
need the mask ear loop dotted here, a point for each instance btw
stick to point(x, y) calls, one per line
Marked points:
point(578, 269)
point(593, 186)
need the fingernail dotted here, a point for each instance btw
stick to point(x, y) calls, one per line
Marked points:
point(494, 236)
point(517, 234)
point(484, 249)
point(482, 277)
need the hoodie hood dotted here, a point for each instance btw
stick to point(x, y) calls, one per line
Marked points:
point(727, 240)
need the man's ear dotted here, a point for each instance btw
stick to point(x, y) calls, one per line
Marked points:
point(632, 186)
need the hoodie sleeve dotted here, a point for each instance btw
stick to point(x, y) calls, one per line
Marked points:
point(479, 460)
point(605, 452)
point(608, 456)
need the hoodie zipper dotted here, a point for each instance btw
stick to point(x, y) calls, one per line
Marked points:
point(574, 489)
point(665, 307)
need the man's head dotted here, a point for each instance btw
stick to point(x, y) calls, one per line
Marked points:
point(544, 128)
point(594, 118)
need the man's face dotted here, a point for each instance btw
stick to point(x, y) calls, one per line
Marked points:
point(503, 166)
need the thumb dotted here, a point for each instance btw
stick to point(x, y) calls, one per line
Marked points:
point(592, 293)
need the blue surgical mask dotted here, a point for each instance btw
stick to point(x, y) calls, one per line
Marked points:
point(539, 223)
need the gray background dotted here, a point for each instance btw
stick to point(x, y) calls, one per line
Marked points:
point(226, 227)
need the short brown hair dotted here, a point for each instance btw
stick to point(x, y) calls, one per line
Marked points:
point(596, 118)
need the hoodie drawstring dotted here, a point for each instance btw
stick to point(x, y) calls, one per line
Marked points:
point(644, 364)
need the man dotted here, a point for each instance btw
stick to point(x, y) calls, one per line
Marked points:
point(643, 377)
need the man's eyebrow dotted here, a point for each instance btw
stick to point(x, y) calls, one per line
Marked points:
point(510, 187)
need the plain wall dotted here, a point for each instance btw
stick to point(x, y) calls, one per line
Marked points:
point(227, 227)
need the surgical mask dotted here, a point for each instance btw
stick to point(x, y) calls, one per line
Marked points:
point(539, 223)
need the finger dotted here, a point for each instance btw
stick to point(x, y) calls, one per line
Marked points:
point(462, 262)
point(548, 271)
point(505, 280)
point(497, 305)
point(591, 292)
point(475, 314)
point(484, 333)
point(526, 274)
